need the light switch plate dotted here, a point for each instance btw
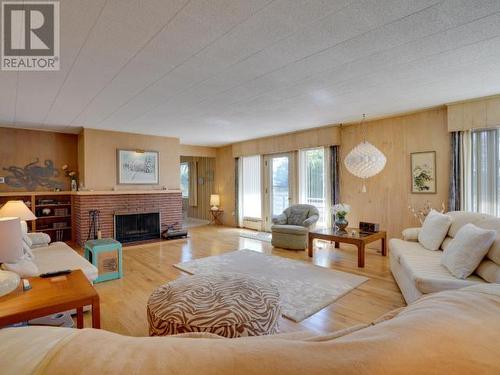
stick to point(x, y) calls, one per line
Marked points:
point(2, 180)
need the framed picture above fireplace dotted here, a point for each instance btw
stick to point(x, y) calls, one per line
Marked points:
point(137, 167)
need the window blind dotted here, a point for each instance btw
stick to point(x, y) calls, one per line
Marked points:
point(251, 187)
point(485, 171)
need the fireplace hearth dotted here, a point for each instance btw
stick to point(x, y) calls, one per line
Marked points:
point(132, 227)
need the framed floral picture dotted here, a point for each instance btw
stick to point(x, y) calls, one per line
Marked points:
point(137, 167)
point(423, 172)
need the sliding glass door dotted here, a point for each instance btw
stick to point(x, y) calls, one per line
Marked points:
point(313, 181)
point(267, 189)
point(278, 185)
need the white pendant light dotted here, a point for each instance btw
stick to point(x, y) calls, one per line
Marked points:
point(365, 160)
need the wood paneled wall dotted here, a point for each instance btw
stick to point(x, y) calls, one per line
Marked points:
point(225, 183)
point(325, 136)
point(100, 158)
point(389, 193)
point(206, 186)
point(19, 147)
point(201, 151)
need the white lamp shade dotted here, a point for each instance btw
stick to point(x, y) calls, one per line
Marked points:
point(214, 200)
point(17, 209)
point(11, 244)
point(365, 160)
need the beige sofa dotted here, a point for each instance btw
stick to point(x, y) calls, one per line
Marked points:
point(418, 271)
point(59, 256)
point(50, 257)
point(453, 332)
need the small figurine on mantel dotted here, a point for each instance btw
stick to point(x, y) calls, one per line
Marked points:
point(73, 175)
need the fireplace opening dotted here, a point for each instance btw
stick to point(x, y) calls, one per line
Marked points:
point(131, 227)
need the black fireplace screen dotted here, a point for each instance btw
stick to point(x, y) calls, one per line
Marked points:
point(137, 227)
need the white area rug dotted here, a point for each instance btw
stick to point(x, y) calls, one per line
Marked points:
point(260, 236)
point(304, 288)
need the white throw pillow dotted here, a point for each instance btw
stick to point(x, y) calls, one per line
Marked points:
point(467, 250)
point(24, 227)
point(490, 271)
point(411, 234)
point(434, 230)
point(24, 268)
point(39, 239)
point(27, 251)
point(28, 240)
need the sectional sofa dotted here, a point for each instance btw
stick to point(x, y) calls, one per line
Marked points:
point(419, 271)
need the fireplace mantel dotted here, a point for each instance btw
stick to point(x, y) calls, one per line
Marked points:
point(125, 192)
point(133, 212)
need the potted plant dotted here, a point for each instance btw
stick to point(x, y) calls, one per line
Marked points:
point(340, 211)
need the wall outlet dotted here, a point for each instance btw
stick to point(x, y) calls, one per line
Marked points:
point(2, 180)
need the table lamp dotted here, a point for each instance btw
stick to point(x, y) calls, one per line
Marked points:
point(17, 209)
point(214, 201)
point(11, 250)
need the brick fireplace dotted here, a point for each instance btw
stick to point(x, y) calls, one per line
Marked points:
point(167, 203)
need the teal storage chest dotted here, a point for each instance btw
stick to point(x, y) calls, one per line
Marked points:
point(106, 255)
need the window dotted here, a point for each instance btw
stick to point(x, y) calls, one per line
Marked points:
point(185, 180)
point(485, 171)
point(313, 181)
point(280, 184)
point(251, 187)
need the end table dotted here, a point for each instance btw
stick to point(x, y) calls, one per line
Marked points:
point(49, 296)
point(216, 216)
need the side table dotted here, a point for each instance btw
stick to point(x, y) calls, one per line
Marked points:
point(49, 296)
point(216, 216)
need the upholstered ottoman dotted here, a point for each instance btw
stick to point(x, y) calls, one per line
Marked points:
point(229, 305)
point(293, 237)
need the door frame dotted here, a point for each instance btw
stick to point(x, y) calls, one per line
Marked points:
point(266, 185)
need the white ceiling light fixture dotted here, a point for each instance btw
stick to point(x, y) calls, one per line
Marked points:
point(365, 160)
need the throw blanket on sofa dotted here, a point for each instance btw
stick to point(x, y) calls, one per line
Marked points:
point(454, 332)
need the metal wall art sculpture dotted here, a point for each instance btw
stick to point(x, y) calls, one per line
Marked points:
point(33, 175)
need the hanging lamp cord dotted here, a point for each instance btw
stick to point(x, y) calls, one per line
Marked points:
point(363, 131)
point(363, 127)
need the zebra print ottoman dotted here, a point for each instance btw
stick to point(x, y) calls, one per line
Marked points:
point(229, 305)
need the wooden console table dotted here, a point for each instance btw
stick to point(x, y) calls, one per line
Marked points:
point(360, 239)
point(50, 296)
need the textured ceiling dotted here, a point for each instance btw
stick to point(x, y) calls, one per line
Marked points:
point(215, 72)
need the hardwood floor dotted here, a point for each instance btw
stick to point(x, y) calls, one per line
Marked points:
point(146, 266)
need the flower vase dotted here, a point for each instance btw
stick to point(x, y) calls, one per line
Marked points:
point(341, 223)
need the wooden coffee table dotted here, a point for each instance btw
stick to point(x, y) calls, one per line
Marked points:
point(360, 239)
point(50, 296)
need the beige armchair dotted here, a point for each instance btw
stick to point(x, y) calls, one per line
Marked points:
point(290, 229)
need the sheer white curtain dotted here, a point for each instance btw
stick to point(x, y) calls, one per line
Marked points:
point(250, 188)
point(314, 178)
